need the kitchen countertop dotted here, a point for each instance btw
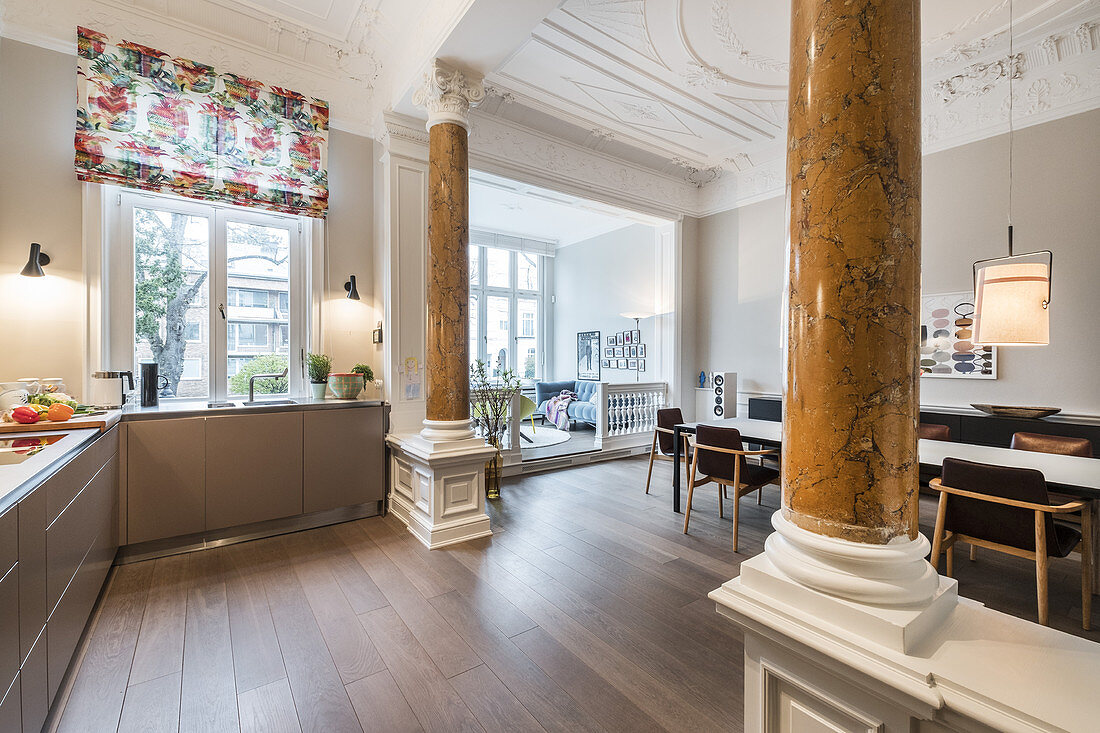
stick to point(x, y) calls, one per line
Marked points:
point(199, 408)
point(18, 479)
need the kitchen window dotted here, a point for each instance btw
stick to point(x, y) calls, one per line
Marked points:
point(242, 272)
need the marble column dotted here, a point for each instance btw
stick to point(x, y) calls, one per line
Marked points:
point(448, 95)
point(854, 174)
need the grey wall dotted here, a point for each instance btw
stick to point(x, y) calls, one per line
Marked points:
point(741, 265)
point(42, 322)
point(596, 280)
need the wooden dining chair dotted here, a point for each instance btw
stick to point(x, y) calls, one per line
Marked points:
point(1059, 444)
point(720, 456)
point(1008, 510)
point(661, 447)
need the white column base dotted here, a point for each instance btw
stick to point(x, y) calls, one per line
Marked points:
point(437, 488)
point(447, 431)
point(816, 661)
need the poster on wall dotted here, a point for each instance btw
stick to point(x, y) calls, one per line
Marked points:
point(947, 349)
point(588, 355)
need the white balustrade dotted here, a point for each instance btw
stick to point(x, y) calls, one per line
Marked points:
point(628, 410)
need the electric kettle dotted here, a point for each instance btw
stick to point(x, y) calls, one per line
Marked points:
point(108, 392)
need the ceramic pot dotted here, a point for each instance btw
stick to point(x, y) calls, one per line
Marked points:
point(346, 385)
point(318, 389)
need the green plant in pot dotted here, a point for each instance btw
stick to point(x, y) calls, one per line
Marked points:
point(490, 403)
point(318, 366)
point(366, 371)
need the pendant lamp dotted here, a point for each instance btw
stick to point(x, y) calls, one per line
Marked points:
point(1012, 294)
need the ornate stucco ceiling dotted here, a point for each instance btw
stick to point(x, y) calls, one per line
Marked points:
point(698, 87)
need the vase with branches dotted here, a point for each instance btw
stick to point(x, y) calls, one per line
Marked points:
point(490, 407)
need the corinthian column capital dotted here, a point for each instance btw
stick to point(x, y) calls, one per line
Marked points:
point(448, 94)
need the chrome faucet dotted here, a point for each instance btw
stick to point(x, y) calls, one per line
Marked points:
point(254, 377)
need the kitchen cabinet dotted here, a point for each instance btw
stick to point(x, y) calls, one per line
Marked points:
point(165, 478)
point(253, 468)
point(344, 458)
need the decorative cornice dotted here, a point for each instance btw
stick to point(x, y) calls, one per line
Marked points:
point(448, 94)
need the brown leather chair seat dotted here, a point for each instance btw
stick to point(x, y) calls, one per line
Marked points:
point(1059, 444)
point(928, 431)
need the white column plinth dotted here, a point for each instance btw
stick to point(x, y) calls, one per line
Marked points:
point(437, 487)
point(817, 661)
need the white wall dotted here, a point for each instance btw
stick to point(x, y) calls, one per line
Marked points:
point(741, 262)
point(43, 322)
point(596, 280)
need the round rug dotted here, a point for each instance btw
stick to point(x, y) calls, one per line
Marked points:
point(542, 436)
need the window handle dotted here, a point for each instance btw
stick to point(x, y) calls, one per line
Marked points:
point(221, 307)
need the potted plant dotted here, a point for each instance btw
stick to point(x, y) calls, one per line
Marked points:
point(366, 371)
point(318, 366)
point(491, 401)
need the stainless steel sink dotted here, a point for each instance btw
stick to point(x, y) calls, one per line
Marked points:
point(220, 405)
point(260, 403)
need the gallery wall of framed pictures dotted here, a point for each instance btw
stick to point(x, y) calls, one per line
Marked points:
point(624, 351)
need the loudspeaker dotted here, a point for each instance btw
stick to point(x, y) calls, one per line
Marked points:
point(723, 398)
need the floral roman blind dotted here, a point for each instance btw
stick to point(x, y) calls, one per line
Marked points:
point(150, 121)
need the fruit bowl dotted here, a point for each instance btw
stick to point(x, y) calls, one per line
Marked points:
point(346, 385)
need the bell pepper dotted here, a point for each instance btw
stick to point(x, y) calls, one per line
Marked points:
point(25, 415)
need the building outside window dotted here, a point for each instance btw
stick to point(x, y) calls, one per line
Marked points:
point(230, 268)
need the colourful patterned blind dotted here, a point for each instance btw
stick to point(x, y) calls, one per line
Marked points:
point(150, 121)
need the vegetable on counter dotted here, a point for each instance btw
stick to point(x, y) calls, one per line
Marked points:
point(26, 415)
point(53, 399)
point(59, 412)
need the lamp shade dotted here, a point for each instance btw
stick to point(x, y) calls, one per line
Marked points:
point(1010, 304)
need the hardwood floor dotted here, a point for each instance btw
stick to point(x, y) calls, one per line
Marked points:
point(586, 611)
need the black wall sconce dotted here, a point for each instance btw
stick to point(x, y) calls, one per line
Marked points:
point(35, 262)
point(353, 292)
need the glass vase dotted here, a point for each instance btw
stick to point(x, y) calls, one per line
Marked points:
point(493, 469)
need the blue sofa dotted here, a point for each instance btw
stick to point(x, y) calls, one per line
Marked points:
point(581, 409)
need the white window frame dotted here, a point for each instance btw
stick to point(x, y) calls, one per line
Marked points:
point(117, 289)
point(513, 293)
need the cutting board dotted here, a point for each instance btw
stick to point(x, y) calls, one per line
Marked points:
point(73, 423)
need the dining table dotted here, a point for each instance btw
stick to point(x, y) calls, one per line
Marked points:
point(1070, 475)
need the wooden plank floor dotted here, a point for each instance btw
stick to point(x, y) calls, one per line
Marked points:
point(586, 611)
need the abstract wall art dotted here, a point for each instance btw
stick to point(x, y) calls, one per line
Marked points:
point(947, 349)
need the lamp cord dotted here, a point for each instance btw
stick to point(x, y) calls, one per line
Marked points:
point(1011, 73)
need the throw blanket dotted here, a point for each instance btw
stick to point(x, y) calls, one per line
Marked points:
point(557, 409)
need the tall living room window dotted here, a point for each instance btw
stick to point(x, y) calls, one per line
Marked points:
point(218, 295)
point(507, 303)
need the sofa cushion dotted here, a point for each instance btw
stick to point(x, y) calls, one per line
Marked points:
point(545, 390)
point(585, 389)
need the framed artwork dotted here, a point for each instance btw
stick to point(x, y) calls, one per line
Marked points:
point(622, 363)
point(606, 363)
point(634, 351)
point(641, 365)
point(628, 337)
point(947, 350)
point(637, 337)
point(619, 350)
point(618, 339)
point(641, 350)
point(632, 364)
point(609, 351)
point(588, 355)
point(611, 340)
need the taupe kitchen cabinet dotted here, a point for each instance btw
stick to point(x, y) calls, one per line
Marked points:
point(165, 478)
point(253, 468)
point(344, 457)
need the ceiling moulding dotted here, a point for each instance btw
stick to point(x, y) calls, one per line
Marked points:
point(275, 50)
point(1055, 73)
point(510, 150)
